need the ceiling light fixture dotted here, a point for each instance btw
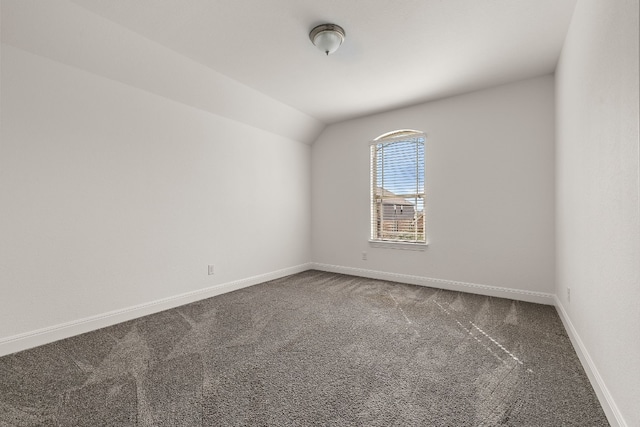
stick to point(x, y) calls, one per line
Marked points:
point(327, 37)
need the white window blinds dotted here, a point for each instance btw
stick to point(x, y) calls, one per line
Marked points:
point(397, 187)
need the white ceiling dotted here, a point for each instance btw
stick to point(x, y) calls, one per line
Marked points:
point(396, 53)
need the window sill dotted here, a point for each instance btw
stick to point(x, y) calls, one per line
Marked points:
point(398, 245)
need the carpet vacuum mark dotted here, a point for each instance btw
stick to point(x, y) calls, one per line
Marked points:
point(312, 349)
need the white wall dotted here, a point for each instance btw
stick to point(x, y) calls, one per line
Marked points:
point(489, 184)
point(598, 211)
point(113, 197)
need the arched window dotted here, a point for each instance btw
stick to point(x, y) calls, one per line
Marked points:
point(397, 187)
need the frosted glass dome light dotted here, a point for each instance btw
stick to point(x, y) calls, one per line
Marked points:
point(327, 37)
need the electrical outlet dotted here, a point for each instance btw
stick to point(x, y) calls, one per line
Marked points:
point(364, 256)
point(568, 294)
point(210, 271)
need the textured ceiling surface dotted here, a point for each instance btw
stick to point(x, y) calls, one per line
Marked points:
point(396, 53)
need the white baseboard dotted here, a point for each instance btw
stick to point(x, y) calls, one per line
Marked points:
point(604, 396)
point(451, 285)
point(47, 335)
point(50, 334)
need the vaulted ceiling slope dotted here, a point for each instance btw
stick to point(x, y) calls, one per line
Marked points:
point(67, 33)
point(396, 53)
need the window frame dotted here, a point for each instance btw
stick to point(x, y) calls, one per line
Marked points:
point(402, 135)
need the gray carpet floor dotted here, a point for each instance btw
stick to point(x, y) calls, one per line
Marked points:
point(312, 349)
